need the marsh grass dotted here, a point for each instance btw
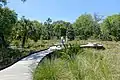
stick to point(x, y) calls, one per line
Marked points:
point(87, 64)
point(82, 67)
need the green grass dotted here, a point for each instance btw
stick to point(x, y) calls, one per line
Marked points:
point(87, 64)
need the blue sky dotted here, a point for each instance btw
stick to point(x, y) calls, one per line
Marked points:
point(67, 10)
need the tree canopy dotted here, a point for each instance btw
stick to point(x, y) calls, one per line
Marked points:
point(7, 20)
point(111, 27)
point(84, 26)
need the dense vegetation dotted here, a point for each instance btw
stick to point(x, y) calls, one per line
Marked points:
point(18, 32)
point(22, 33)
point(18, 37)
point(74, 63)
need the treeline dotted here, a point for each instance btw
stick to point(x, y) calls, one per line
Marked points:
point(85, 27)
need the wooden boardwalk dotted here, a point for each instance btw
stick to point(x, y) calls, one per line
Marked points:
point(22, 70)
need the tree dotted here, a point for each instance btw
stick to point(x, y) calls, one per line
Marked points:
point(60, 28)
point(111, 27)
point(25, 26)
point(70, 34)
point(8, 18)
point(84, 26)
point(25, 29)
point(96, 27)
point(48, 29)
point(35, 31)
point(57, 29)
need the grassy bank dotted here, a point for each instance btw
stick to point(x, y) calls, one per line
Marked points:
point(86, 64)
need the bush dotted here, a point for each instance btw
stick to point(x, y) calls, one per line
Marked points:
point(69, 52)
point(8, 56)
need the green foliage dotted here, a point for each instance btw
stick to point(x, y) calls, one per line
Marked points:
point(7, 20)
point(8, 56)
point(84, 26)
point(25, 29)
point(62, 28)
point(96, 27)
point(35, 31)
point(111, 27)
point(48, 30)
point(59, 29)
point(68, 53)
point(70, 32)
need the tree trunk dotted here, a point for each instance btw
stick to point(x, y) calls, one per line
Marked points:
point(24, 39)
point(4, 43)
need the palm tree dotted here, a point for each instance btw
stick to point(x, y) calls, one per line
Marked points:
point(26, 26)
